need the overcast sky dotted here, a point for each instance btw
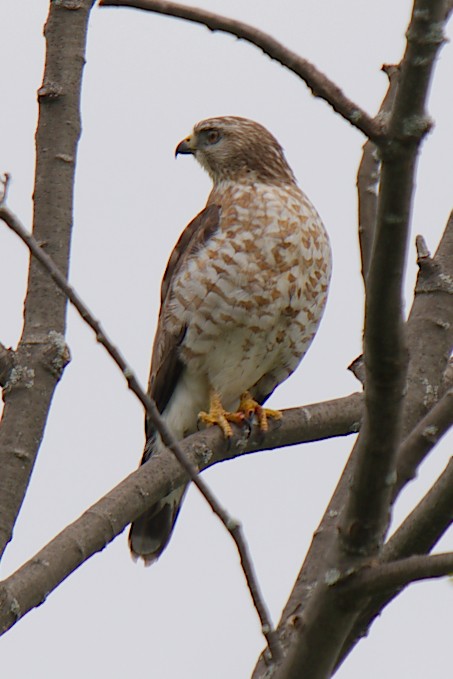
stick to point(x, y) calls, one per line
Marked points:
point(148, 79)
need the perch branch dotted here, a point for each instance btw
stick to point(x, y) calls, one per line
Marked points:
point(32, 582)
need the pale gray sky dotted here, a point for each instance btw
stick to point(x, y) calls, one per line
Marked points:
point(148, 79)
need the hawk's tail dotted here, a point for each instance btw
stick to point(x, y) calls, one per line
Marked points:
point(150, 533)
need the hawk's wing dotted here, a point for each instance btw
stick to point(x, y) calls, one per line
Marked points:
point(165, 363)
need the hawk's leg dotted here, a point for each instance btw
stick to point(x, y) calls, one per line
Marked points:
point(250, 407)
point(218, 415)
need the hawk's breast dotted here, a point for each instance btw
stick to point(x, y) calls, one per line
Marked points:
point(253, 295)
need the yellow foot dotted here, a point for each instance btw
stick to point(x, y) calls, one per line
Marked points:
point(250, 407)
point(219, 416)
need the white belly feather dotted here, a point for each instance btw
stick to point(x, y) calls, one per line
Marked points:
point(252, 302)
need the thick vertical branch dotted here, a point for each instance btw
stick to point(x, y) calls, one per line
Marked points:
point(41, 354)
point(328, 614)
point(430, 339)
point(366, 517)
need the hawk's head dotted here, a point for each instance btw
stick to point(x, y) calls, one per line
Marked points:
point(233, 147)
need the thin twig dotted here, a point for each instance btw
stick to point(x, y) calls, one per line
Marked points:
point(232, 526)
point(318, 83)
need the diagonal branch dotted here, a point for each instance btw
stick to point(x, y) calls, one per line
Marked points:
point(232, 526)
point(318, 83)
point(427, 522)
point(422, 440)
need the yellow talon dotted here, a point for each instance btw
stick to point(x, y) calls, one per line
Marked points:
point(250, 407)
point(219, 416)
point(247, 408)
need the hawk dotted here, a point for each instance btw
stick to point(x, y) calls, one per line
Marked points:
point(241, 299)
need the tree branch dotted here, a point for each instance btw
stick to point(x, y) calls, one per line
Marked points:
point(418, 534)
point(399, 574)
point(107, 518)
point(366, 516)
point(317, 82)
point(41, 354)
point(427, 522)
point(422, 440)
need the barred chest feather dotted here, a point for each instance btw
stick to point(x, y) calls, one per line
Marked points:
point(253, 295)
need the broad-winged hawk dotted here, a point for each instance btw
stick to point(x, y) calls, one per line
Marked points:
point(242, 296)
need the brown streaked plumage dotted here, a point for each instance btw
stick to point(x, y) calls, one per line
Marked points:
point(241, 299)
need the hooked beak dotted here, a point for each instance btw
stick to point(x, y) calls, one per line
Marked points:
point(185, 147)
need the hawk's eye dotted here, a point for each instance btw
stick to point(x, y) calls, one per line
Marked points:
point(213, 136)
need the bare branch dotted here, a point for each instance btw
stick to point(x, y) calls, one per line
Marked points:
point(399, 574)
point(426, 524)
point(422, 440)
point(318, 83)
point(35, 376)
point(367, 513)
point(371, 469)
point(29, 586)
point(418, 534)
